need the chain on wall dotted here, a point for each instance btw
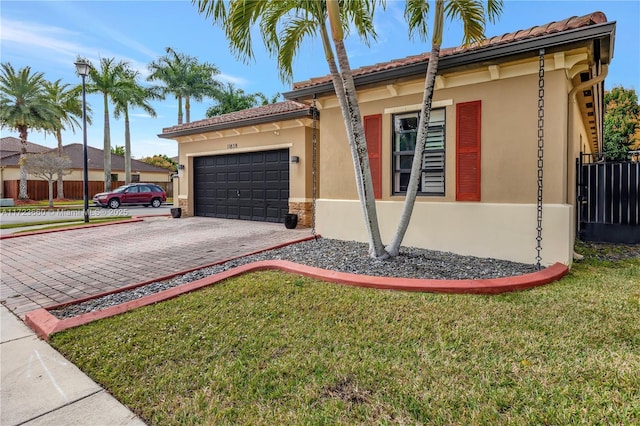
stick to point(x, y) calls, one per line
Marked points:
point(540, 158)
point(314, 183)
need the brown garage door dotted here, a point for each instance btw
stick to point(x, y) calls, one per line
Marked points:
point(250, 186)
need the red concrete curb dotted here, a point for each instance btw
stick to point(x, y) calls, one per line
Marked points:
point(45, 324)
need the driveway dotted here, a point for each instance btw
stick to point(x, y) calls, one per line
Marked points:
point(48, 269)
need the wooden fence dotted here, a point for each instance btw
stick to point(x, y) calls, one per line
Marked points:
point(73, 189)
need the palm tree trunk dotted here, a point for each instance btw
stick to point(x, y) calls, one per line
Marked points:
point(50, 191)
point(60, 154)
point(107, 146)
point(416, 166)
point(179, 109)
point(127, 149)
point(187, 108)
point(22, 194)
point(359, 149)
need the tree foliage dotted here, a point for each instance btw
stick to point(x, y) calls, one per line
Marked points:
point(108, 81)
point(23, 106)
point(231, 99)
point(132, 95)
point(161, 160)
point(184, 77)
point(67, 99)
point(117, 150)
point(621, 123)
point(48, 166)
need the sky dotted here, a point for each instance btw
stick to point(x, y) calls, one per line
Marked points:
point(48, 36)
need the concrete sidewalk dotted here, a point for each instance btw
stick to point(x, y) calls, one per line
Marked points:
point(38, 386)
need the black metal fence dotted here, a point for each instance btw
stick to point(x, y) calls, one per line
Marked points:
point(608, 201)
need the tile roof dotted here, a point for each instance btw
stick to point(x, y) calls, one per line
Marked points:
point(95, 160)
point(10, 146)
point(269, 111)
point(572, 23)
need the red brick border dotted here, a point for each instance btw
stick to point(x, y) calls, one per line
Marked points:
point(46, 324)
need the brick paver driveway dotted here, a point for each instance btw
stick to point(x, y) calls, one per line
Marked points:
point(48, 269)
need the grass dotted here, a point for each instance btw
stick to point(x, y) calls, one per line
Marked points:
point(59, 223)
point(271, 348)
point(43, 204)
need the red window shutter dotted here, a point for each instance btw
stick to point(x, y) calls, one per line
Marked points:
point(468, 151)
point(373, 133)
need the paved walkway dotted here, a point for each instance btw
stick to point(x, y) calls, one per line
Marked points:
point(47, 269)
point(38, 386)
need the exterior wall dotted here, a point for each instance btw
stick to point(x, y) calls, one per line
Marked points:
point(509, 141)
point(496, 230)
point(296, 136)
point(503, 224)
point(13, 173)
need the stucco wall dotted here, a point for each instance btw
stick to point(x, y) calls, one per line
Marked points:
point(509, 141)
point(496, 230)
point(503, 224)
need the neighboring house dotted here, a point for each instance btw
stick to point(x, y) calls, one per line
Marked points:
point(479, 188)
point(140, 171)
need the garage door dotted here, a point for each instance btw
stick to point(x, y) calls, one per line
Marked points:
point(250, 186)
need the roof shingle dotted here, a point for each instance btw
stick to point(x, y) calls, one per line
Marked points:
point(269, 110)
point(568, 24)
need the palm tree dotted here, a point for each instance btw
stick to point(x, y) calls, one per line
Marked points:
point(69, 104)
point(108, 81)
point(284, 25)
point(473, 15)
point(185, 78)
point(230, 99)
point(132, 94)
point(24, 105)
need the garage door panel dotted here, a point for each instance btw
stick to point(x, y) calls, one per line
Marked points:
point(251, 186)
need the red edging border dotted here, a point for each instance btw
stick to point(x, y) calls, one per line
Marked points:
point(45, 324)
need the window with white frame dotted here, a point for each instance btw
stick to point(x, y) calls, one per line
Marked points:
point(405, 132)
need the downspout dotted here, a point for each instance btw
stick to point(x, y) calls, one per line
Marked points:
point(589, 83)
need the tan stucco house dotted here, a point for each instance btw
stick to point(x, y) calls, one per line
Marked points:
point(479, 188)
point(10, 148)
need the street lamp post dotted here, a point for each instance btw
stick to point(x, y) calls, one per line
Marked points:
point(83, 67)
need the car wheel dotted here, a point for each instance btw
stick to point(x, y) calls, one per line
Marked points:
point(156, 202)
point(114, 203)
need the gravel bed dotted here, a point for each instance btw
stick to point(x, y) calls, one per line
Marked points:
point(342, 256)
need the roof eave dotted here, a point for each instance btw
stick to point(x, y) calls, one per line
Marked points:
point(290, 115)
point(599, 31)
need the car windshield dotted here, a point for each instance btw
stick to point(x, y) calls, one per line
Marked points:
point(120, 189)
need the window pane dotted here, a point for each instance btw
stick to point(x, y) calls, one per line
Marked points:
point(405, 128)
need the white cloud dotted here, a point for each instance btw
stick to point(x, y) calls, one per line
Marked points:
point(226, 78)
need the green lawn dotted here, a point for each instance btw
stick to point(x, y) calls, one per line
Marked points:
point(270, 348)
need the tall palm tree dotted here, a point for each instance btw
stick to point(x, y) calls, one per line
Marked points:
point(108, 81)
point(131, 95)
point(284, 24)
point(473, 15)
point(185, 78)
point(24, 105)
point(69, 104)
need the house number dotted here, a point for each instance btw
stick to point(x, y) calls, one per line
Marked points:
point(232, 145)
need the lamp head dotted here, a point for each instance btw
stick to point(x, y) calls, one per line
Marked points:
point(83, 67)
